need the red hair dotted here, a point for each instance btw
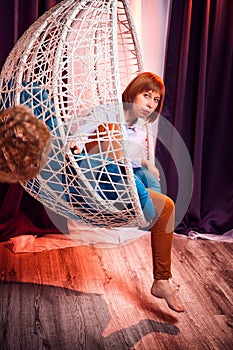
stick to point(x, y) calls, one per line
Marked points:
point(145, 81)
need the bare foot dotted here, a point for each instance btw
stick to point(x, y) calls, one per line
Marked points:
point(162, 289)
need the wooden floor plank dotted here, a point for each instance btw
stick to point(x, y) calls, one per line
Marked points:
point(93, 298)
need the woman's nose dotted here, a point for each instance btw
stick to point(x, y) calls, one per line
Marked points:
point(150, 104)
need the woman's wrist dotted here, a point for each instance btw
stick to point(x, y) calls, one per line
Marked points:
point(144, 162)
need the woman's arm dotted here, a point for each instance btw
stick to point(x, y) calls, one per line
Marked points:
point(106, 140)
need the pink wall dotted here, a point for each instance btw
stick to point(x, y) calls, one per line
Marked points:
point(151, 20)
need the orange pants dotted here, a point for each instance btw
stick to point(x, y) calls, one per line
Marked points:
point(162, 232)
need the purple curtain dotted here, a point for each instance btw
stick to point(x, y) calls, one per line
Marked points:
point(19, 212)
point(199, 103)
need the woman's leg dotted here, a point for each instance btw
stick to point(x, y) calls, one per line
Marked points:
point(161, 242)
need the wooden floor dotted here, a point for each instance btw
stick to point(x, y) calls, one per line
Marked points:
point(93, 298)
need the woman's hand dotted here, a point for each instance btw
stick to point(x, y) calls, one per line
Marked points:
point(72, 145)
point(151, 167)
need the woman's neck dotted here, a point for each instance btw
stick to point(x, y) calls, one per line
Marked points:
point(129, 118)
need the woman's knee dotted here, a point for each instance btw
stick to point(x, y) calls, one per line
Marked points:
point(169, 204)
point(161, 201)
point(165, 209)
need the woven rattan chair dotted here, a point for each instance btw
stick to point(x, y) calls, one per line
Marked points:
point(76, 57)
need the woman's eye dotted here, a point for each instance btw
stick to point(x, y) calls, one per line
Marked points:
point(156, 100)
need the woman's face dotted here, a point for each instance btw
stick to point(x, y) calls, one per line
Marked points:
point(144, 104)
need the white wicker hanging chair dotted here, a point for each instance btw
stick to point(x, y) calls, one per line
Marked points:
point(77, 56)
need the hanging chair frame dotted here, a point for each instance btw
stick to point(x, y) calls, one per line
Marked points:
point(28, 57)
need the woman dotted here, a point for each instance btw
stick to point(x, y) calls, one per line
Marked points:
point(143, 101)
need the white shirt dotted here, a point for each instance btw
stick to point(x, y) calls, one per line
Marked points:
point(137, 143)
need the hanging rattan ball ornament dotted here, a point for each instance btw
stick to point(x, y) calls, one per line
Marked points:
point(24, 144)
